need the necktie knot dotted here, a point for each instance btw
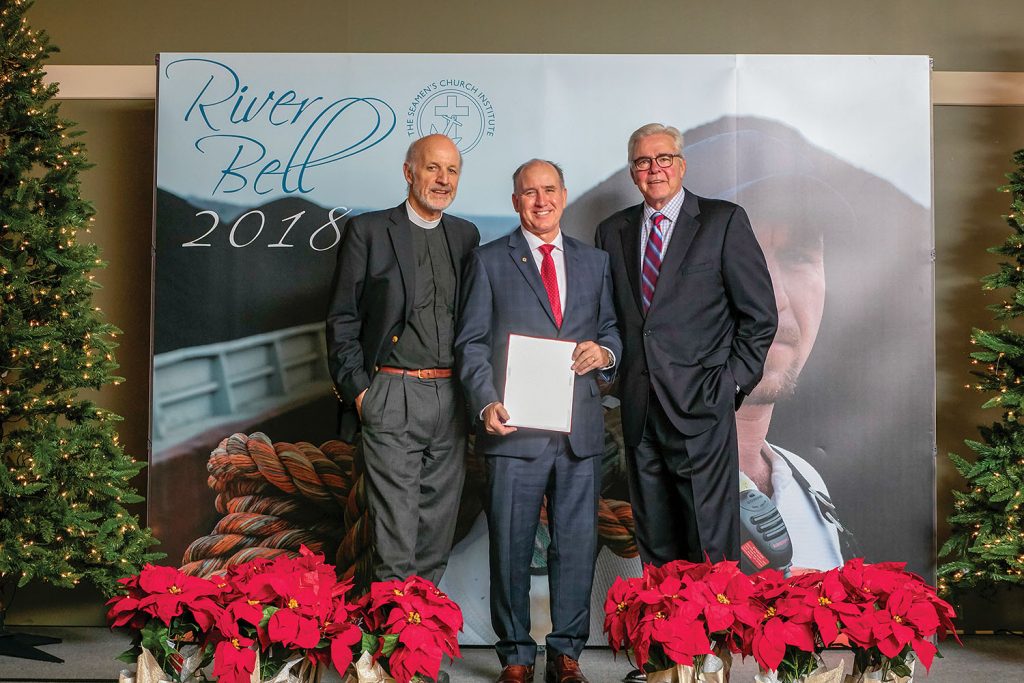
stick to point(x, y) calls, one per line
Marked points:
point(657, 218)
point(546, 249)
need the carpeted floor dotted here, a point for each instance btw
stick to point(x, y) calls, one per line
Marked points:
point(90, 652)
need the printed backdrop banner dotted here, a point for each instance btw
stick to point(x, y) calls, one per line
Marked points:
point(262, 158)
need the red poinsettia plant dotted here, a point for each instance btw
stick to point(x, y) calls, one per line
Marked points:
point(410, 626)
point(292, 610)
point(900, 613)
point(679, 613)
point(286, 614)
point(784, 639)
point(172, 615)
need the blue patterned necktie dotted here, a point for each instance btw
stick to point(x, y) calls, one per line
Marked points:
point(652, 260)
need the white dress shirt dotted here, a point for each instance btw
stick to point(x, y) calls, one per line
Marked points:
point(557, 255)
point(671, 213)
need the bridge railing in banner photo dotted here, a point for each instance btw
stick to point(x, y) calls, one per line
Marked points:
point(203, 386)
point(276, 497)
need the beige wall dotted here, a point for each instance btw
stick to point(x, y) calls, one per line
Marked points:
point(972, 144)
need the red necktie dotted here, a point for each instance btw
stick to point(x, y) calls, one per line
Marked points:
point(652, 260)
point(550, 279)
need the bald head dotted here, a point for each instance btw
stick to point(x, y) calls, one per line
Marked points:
point(427, 141)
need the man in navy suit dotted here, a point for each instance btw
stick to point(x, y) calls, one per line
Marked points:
point(542, 283)
point(697, 312)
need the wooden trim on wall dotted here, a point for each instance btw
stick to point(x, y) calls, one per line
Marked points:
point(978, 88)
point(103, 81)
point(132, 82)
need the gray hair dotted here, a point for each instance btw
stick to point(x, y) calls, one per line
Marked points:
point(526, 164)
point(649, 130)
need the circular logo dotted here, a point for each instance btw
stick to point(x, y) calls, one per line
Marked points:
point(454, 113)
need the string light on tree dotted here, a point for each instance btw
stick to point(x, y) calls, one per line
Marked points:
point(57, 343)
point(985, 547)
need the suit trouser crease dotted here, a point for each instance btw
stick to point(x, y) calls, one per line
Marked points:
point(413, 444)
point(517, 487)
point(685, 490)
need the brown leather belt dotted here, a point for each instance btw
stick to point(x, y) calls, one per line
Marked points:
point(424, 373)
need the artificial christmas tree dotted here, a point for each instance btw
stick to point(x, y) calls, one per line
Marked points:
point(986, 547)
point(64, 479)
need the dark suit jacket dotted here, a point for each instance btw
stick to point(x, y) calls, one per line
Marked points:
point(373, 294)
point(502, 295)
point(711, 320)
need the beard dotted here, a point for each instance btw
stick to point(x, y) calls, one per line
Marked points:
point(780, 382)
point(775, 386)
point(431, 202)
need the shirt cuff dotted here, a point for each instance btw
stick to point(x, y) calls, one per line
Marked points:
point(610, 355)
point(481, 415)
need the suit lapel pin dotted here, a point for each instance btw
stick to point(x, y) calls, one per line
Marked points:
point(524, 259)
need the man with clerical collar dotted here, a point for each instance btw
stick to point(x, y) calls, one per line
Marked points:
point(390, 330)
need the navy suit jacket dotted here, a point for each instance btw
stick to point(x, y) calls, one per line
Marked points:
point(711, 321)
point(503, 294)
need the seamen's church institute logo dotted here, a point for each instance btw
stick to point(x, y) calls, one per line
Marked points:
point(457, 108)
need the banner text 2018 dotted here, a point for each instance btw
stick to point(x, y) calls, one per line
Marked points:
point(249, 227)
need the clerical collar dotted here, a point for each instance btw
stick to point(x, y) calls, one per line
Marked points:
point(416, 219)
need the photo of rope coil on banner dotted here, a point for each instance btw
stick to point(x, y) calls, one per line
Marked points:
point(277, 496)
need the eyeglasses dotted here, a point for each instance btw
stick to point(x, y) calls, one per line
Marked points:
point(663, 160)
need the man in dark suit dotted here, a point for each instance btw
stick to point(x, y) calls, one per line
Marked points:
point(697, 314)
point(390, 330)
point(542, 283)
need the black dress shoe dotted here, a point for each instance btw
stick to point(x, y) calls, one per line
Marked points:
point(442, 677)
point(635, 676)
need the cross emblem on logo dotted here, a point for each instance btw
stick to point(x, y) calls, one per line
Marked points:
point(450, 111)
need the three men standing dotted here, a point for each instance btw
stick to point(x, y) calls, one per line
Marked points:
point(539, 282)
point(697, 312)
point(390, 331)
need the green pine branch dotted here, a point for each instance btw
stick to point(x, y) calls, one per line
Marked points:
point(65, 480)
point(986, 544)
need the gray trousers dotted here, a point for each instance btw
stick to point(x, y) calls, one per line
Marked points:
point(414, 451)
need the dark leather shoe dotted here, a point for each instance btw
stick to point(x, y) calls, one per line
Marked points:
point(516, 673)
point(442, 677)
point(635, 676)
point(563, 669)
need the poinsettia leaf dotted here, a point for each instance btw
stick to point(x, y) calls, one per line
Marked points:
point(154, 635)
point(901, 669)
point(890, 646)
point(341, 654)
point(388, 644)
point(925, 652)
point(268, 612)
point(369, 643)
